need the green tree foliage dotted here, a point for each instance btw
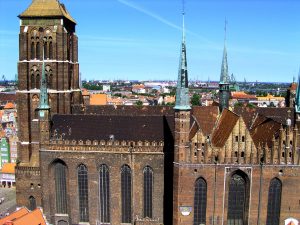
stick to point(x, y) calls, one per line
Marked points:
point(195, 100)
point(139, 103)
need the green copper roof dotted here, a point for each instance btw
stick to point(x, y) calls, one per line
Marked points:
point(182, 90)
point(297, 100)
point(43, 94)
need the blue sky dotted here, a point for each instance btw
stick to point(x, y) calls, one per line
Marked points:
point(140, 39)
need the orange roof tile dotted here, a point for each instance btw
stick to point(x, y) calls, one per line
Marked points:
point(98, 99)
point(9, 105)
point(8, 168)
point(15, 215)
point(33, 218)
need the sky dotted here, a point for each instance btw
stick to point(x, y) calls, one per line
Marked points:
point(141, 39)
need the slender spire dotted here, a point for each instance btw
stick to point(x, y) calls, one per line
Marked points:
point(43, 90)
point(182, 90)
point(224, 68)
point(297, 100)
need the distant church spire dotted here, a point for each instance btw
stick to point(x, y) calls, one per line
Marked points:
point(224, 92)
point(182, 90)
point(297, 100)
point(44, 104)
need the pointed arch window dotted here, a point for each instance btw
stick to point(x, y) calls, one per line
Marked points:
point(274, 202)
point(104, 194)
point(32, 80)
point(50, 49)
point(200, 201)
point(37, 81)
point(32, 55)
point(45, 50)
point(82, 173)
point(60, 187)
point(32, 203)
point(238, 198)
point(38, 50)
point(126, 193)
point(148, 191)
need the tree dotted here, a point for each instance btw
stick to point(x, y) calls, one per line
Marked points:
point(139, 103)
point(195, 99)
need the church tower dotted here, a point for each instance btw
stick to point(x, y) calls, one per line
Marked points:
point(182, 126)
point(48, 47)
point(224, 85)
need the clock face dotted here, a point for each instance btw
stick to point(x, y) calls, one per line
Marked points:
point(42, 114)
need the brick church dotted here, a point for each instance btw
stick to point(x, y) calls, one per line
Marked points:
point(185, 165)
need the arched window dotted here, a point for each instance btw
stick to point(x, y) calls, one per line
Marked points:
point(62, 222)
point(32, 55)
point(126, 193)
point(32, 80)
point(274, 202)
point(45, 50)
point(38, 50)
point(37, 81)
point(200, 200)
point(32, 203)
point(83, 193)
point(50, 48)
point(104, 194)
point(49, 80)
point(238, 199)
point(60, 187)
point(148, 191)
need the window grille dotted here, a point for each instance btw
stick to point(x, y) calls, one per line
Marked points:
point(126, 193)
point(104, 194)
point(83, 193)
point(60, 188)
point(274, 202)
point(200, 201)
point(148, 191)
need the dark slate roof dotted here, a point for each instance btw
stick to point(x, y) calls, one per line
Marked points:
point(123, 110)
point(206, 117)
point(8, 97)
point(100, 127)
point(263, 130)
point(223, 128)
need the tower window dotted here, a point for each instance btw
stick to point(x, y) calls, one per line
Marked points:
point(32, 203)
point(242, 154)
point(236, 138)
point(38, 50)
point(243, 138)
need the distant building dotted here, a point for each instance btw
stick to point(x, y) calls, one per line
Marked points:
point(5, 151)
point(8, 178)
point(106, 88)
point(25, 217)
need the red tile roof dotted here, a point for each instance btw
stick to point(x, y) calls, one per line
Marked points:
point(24, 217)
point(223, 128)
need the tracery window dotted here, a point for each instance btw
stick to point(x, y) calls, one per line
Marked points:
point(83, 193)
point(148, 191)
point(126, 193)
point(60, 187)
point(200, 201)
point(104, 194)
point(274, 202)
point(237, 200)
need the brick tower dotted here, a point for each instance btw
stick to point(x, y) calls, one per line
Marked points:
point(46, 31)
point(182, 127)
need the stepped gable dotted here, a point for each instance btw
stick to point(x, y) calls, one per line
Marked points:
point(206, 117)
point(279, 115)
point(102, 127)
point(263, 130)
point(47, 8)
point(223, 128)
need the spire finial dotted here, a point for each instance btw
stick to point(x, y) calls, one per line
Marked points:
point(225, 30)
point(183, 13)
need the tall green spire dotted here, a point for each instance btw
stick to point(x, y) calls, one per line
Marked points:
point(224, 85)
point(297, 100)
point(182, 90)
point(44, 104)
